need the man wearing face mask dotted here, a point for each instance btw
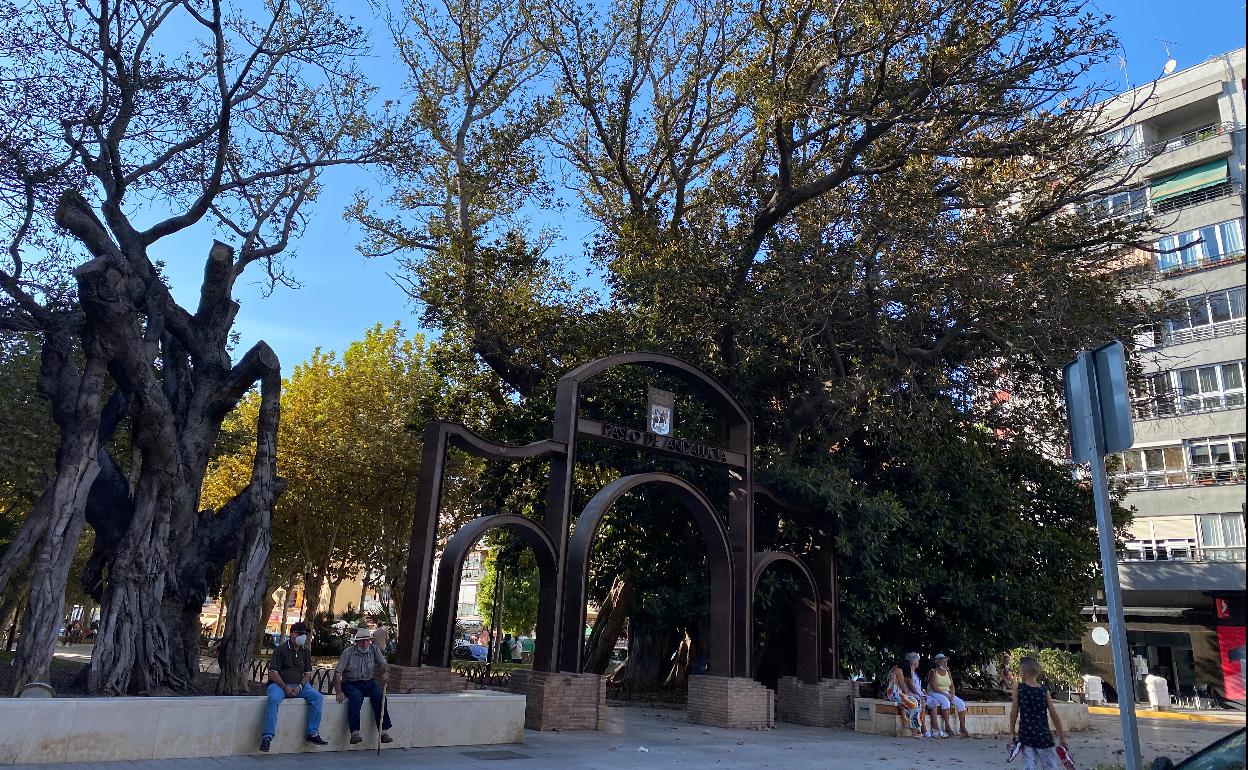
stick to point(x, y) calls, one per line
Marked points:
point(290, 676)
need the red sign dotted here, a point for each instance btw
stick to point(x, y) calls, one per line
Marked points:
point(1223, 608)
point(1229, 638)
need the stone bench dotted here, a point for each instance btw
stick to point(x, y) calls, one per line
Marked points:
point(103, 729)
point(879, 717)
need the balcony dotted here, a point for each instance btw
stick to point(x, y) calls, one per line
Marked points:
point(1194, 475)
point(1178, 549)
point(1164, 147)
point(1226, 189)
point(1175, 405)
point(1181, 566)
point(1207, 332)
point(1201, 262)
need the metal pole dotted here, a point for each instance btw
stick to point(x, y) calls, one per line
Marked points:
point(1109, 565)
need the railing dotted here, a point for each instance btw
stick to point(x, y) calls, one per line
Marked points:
point(1200, 263)
point(1196, 197)
point(1149, 151)
point(1207, 332)
point(1216, 473)
point(482, 674)
point(1183, 550)
point(1175, 405)
point(322, 678)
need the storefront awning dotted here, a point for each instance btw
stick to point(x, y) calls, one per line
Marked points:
point(1189, 179)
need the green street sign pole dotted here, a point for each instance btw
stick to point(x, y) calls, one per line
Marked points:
point(1098, 408)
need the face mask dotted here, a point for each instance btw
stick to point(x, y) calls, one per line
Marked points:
point(301, 639)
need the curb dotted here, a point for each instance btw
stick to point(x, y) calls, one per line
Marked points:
point(1178, 716)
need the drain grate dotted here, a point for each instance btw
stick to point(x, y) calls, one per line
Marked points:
point(495, 755)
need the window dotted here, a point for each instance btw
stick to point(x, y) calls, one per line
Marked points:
point(1204, 245)
point(1192, 390)
point(1222, 536)
point(1125, 201)
point(1153, 467)
point(1204, 388)
point(1208, 315)
point(1216, 459)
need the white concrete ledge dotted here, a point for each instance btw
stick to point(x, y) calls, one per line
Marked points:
point(879, 717)
point(104, 729)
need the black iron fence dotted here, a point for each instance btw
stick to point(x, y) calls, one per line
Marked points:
point(483, 675)
point(322, 678)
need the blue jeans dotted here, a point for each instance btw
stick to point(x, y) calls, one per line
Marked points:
point(356, 692)
point(277, 694)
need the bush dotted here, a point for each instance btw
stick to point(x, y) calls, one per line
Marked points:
point(1059, 669)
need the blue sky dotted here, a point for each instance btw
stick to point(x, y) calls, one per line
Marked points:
point(342, 293)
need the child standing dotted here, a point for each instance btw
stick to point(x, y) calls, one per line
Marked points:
point(1029, 724)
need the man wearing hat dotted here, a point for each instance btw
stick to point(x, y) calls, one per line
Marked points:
point(290, 676)
point(354, 681)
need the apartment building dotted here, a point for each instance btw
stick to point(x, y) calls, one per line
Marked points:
point(1182, 571)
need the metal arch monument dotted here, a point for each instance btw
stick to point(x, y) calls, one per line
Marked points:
point(727, 695)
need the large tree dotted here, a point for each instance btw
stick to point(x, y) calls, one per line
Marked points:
point(130, 122)
point(878, 223)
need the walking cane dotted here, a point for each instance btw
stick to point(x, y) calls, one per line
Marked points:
point(381, 720)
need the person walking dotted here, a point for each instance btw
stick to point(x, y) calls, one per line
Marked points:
point(908, 707)
point(1030, 710)
point(354, 681)
point(290, 676)
point(942, 698)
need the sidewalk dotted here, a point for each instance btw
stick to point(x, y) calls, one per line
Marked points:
point(644, 738)
point(1177, 714)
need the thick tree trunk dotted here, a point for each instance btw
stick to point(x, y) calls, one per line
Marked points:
point(650, 649)
point(251, 567)
point(333, 595)
point(608, 625)
point(61, 510)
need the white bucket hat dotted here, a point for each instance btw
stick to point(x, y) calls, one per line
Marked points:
point(362, 633)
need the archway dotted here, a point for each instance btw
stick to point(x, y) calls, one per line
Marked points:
point(719, 557)
point(805, 610)
point(451, 568)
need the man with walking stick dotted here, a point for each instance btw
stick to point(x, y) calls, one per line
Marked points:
point(354, 681)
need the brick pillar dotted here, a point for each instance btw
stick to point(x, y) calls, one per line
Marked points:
point(557, 700)
point(825, 704)
point(417, 679)
point(725, 701)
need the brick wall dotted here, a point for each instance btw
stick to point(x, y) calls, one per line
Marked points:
point(428, 679)
point(825, 704)
point(731, 702)
point(561, 701)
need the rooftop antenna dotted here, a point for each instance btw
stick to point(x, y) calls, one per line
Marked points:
point(1171, 64)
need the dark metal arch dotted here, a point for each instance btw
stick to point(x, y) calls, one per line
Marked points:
point(438, 436)
point(663, 363)
point(451, 568)
point(719, 553)
point(805, 613)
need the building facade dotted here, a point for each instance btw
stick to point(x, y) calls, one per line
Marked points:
point(1182, 571)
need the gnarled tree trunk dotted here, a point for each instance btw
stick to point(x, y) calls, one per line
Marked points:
point(608, 625)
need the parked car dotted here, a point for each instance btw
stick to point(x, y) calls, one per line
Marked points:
point(1224, 754)
point(465, 651)
point(618, 656)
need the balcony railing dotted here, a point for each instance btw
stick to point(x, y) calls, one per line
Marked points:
point(1195, 475)
point(1200, 263)
point(1178, 549)
point(1175, 405)
point(1196, 197)
point(1207, 332)
point(1149, 151)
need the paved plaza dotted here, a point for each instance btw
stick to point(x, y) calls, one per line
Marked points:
point(637, 738)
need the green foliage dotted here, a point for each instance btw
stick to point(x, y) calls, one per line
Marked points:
point(519, 586)
point(1059, 669)
point(27, 433)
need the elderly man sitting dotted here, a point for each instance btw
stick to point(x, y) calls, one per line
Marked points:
point(353, 682)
